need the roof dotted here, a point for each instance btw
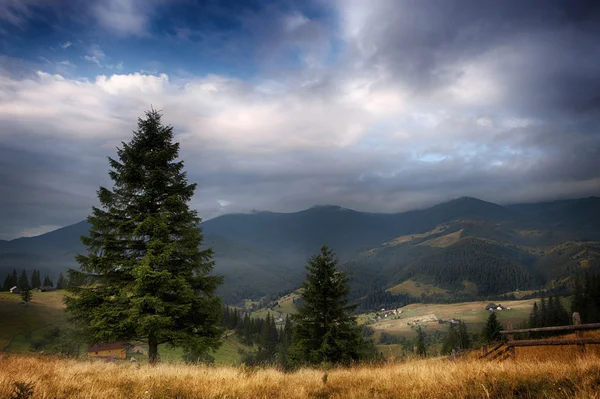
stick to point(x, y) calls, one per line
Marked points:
point(46, 287)
point(106, 347)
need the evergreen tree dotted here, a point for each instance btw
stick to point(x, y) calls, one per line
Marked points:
point(543, 311)
point(323, 330)
point(268, 341)
point(48, 281)
point(23, 283)
point(7, 281)
point(147, 280)
point(491, 331)
point(285, 341)
point(464, 338)
point(451, 341)
point(61, 283)
point(14, 279)
point(421, 346)
point(578, 302)
point(562, 316)
point(35, 279)
point(26, 295)
point(534, 317)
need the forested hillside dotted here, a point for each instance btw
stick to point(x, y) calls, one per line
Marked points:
point(491, 248)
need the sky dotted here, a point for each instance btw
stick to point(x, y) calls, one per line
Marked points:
point(379, 105)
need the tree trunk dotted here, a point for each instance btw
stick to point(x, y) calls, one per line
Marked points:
point(152, 350)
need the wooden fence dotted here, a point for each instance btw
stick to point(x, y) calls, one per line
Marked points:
point(508, 349)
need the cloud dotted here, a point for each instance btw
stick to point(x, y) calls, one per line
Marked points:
point(97, 56)
point(38, 230)
point(66, 45)
point(17, 12)
point(382, 106)
point(125, 17)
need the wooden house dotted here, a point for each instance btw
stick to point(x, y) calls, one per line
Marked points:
point(117, 350)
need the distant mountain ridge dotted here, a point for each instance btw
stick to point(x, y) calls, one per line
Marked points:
point(265, 252)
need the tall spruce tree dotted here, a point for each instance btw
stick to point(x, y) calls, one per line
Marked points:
point(48, 281)
point(61, 283)
point(451, 341)
point(324, 331)
point(145, 277)
point(421, 345)
point(23, 283)
point(6, 286)
point(464, 338)
point(14, 279)
point(35, 279)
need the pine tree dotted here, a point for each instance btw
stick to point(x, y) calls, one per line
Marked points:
point(421, 346)
point(578, 302)
point(268, 340)
point(48, 281)
point(323, 330)
point(534, 317)
point(26, 295)
point(23, 283)
point(35, 279)
point(491, 331)
point(543, 311)
point(562, 316)
point(61, 283)
point(451, 341)
point(14, 279)
point(145, 277)
point(464, 338)
point(285, 341)
point(7, 281)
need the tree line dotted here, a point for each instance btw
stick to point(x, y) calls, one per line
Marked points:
point(586, 298)
point(23, 282)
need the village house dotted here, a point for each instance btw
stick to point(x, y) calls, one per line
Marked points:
point(138, 349)
point(117, 350)
point(15, 290)
point(46, 288)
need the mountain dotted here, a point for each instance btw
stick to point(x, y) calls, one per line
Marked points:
point(463, 240)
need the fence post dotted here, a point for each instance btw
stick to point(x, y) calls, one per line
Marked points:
point(484, 350)
point(579, 333)
point(511, 349)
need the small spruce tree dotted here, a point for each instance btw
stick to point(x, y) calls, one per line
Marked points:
point(491, 331)
point(26, 295)
point(323, 329)
point(421, 345)
point(61, 283)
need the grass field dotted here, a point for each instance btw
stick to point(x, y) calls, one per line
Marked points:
point(45, 308)
point(415, 289)
point(22, 323)
point(431, 378)
point(472, 313)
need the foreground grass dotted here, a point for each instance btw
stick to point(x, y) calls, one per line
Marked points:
point(434, 378)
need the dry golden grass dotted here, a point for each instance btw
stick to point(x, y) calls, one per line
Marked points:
point(432, 378)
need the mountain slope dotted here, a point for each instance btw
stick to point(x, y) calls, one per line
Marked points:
point(265, 252)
